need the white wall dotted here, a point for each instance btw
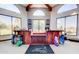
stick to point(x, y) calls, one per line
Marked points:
point(23, 16)
point(53, 21)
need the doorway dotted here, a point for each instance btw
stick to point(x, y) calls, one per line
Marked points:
point(38, 26)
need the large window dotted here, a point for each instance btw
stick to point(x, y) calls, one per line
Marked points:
point(8, 24)
point(38, 13)
point(61, 23)
point(68, 24)
point(5, 25)
point(71, 25)
point(38, 26)
point(16, 23)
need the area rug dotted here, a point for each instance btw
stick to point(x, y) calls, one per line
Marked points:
point(39, 49)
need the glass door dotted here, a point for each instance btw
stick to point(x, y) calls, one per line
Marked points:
point(41, 26)
point(38, 26)
point(35, 26)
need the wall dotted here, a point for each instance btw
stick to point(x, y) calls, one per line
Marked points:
point(23, 16)
point(53, 21)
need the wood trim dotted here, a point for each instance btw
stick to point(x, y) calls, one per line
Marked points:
point(49, 7)
point(73, 40)
point(28, 7)
point(5, 40)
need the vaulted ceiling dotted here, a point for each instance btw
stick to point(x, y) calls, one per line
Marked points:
point(48, 6)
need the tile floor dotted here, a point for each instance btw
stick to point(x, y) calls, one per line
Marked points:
point(7, 48)
point(68, 48)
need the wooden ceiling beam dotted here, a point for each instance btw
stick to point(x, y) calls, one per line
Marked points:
point(49, 7)
point(28, 7)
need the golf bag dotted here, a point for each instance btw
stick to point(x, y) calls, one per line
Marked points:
point(56, 43)
point(19, 41)
point(62, 39)
point(13, 41)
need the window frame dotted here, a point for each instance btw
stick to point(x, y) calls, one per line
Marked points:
point(38, 22)
point(35, 14)
point(65, 23)
point(11, 23)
